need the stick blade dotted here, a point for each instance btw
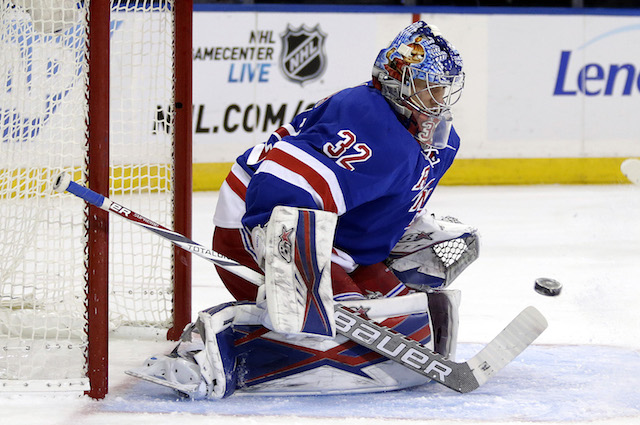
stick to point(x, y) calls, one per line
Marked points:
point(631, 169)
point(508, 344)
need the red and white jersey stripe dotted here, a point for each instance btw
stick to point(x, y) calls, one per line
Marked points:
point(297, 167)
point(231, 200)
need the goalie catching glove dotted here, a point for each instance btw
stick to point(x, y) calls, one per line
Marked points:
point(433, 252)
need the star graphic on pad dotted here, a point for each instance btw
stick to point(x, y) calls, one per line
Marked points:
point(286, 234)
point(362, 311)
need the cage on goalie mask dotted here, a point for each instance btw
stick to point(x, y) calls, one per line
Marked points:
point(420, 73)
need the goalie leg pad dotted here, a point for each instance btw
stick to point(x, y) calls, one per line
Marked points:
point(218, 359)
point(236, 354)
point(299, 296)
point(199, 368)
point(276, 364)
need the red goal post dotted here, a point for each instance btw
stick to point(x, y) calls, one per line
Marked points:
point(101, 90)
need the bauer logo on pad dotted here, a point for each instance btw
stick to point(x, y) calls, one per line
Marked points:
point(303, 57)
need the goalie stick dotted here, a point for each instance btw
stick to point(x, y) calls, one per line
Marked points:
point(462, 377)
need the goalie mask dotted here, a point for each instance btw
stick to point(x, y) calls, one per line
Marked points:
point(420, 74)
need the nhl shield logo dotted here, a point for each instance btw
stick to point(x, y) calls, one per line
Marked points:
point(303, 56)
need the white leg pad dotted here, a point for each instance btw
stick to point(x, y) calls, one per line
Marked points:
point(217, 360)
point(298, 289)
point(199, 369)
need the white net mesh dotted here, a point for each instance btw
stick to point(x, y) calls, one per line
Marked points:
point(42, 132)
point(43, 115)
point(142, 160)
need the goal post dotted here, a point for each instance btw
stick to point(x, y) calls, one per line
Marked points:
point(97, 174)
point(183, 153)
point(102, 90)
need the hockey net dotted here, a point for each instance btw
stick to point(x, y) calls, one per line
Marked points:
point(46, 71)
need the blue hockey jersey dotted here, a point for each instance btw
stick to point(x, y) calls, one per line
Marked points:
point(351, 155)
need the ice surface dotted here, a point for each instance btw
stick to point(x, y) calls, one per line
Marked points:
point(584, 369)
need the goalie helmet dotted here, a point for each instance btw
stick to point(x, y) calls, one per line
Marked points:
point(420, 74)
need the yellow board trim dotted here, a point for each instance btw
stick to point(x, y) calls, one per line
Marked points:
point(497, 171)
point(130, 179)
point(25, 183)
point(209, 176)
point(522, 171)
point(123, 179)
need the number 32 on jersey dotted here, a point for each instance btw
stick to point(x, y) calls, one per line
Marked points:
point(339, 150)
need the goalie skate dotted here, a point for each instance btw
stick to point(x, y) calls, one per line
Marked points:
point(155, 371)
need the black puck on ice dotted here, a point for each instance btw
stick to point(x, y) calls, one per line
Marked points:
point(548, 287)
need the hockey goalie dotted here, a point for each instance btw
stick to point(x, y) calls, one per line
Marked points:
point(332, 208)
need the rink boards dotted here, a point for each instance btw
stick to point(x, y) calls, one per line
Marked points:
point(550, 95)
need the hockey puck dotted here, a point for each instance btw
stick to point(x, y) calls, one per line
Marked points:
point(548, 287)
